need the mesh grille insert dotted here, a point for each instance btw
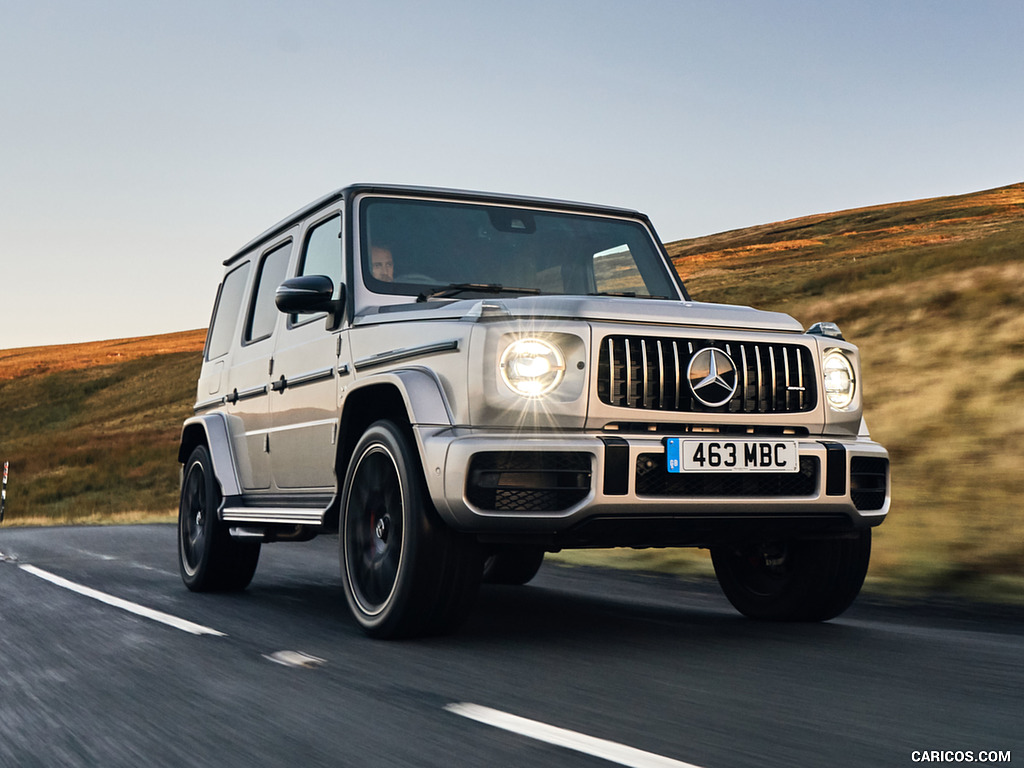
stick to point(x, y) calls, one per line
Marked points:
point(868, 481)
point(528, 481)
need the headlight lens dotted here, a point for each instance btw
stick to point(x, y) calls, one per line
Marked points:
point(532, 367)
point(840, 382)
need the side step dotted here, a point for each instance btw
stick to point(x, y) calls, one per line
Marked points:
point(273, 515)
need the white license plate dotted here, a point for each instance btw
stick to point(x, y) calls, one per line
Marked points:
point(732, 455)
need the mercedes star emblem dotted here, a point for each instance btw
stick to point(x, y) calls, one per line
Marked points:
point(712, 375)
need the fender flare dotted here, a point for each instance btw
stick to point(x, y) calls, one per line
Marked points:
point(212, 429)
point(421, 392)
point(425, 397)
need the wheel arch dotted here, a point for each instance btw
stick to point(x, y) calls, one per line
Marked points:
point(211, 430)
point(409, 398)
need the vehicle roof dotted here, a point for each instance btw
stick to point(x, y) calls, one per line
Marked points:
point(417, 191)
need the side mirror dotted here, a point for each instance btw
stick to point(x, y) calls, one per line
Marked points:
point(307, 295)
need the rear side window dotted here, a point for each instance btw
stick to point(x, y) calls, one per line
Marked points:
point(225, 312)
point(263, 313)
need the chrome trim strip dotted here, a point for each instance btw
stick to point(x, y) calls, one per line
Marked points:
point(789, 379)
point(384, 358)
point(208, 404)
point(613, 389)
point(661, 376)
point(250, 393)
point(629, 376)
point(292, 427)
point(745, 380)
point(760, 377)
point(310, 378)
point(643, 374)
point(675, 353)
point(800, 377)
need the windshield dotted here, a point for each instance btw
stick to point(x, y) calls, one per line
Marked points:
point(431, 249)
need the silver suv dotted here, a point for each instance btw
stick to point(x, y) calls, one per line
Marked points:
point(455, 383)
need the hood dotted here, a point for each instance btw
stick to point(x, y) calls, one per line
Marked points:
point(646, 311)
point(592, 308)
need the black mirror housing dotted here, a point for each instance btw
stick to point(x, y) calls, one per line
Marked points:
point(307, 295)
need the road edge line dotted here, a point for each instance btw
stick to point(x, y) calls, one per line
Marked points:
point(125, 605)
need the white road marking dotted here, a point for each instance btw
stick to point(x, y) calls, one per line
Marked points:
point(295, 659)
point(588, 745)
point(125, 605)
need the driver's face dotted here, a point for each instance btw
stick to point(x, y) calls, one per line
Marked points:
point(382, 266)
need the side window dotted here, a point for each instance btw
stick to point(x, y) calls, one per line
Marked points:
point(263, 312)
point(225, 312)
point(322, 255)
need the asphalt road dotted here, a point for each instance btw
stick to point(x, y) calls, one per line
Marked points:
point(583, 667)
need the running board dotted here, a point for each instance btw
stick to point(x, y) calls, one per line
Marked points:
point(267, 515)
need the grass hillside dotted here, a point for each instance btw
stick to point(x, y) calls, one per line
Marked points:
point(932, 291)
point(91, 430)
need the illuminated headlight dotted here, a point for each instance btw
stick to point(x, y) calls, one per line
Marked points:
point(840, 382)
point(532, 367)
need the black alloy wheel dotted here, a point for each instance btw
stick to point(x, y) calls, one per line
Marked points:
point(373, 530)
point(208, 558)
point(405, 573)
point(794, 580)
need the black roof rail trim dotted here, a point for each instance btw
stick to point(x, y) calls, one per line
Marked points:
point(440, 192)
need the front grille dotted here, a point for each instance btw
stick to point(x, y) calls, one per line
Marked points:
point(528, 481)
point(868, 482)
point(650, 373)
point(653, 479)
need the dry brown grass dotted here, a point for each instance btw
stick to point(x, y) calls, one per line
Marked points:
point(24, 361)
point(95, 518)
point(91, 430)
point(944, 376)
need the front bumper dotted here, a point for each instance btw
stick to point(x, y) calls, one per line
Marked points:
point(589, 489)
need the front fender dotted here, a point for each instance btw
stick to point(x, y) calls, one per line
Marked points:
point(421, 391)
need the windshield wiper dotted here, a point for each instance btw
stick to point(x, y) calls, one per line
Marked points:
point(454, 289)
point(626, 295)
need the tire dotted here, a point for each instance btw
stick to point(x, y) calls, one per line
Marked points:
point(208, 558)
point(797, 580)
point(514, 565)
point(405, 573)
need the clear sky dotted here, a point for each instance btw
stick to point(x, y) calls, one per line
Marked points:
point(141, 143)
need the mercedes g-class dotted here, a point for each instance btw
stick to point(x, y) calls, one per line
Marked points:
point(456, 383)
